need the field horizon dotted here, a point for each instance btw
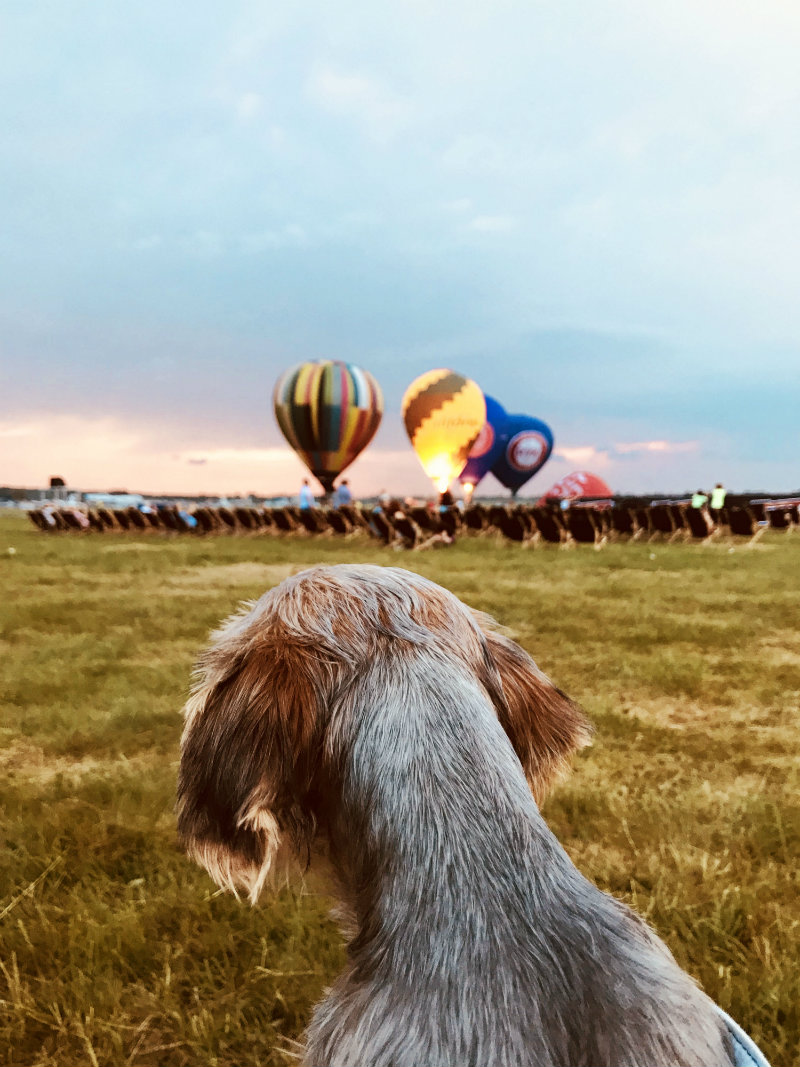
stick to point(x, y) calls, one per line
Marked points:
point(116, 950)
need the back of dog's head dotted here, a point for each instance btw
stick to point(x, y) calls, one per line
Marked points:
point(257, 745)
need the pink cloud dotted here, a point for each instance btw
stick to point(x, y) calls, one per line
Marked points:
point(583, 455)
point(162, 457)
point(656, 446)
point(97, 453)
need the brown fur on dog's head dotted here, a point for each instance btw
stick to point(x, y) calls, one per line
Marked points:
point(249, 756)
point(256, 761)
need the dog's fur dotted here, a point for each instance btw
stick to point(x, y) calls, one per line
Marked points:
point(367, 711)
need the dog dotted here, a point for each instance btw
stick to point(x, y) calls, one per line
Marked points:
point(364, 716)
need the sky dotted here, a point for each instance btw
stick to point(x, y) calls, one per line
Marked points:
point(591, 208)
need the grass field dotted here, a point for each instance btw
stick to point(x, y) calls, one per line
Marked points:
point(114, 949)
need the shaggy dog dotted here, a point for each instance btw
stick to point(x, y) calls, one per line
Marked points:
point(366, 714)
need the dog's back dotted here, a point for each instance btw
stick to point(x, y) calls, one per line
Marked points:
point(479, 943)
point(369, 707)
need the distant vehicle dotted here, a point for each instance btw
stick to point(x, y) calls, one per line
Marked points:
point(114, 500)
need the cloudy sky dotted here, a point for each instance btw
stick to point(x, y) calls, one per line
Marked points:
point(592, 207)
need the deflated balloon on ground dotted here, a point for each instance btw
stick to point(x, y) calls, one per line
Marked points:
point(577, 486)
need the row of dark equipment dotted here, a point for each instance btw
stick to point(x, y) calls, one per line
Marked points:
point(418, 527)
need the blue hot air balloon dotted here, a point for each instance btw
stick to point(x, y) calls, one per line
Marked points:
point(528, 444)
point(487, 448)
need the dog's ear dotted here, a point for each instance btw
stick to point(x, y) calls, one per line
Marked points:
point(247, 762)
point(545, 727)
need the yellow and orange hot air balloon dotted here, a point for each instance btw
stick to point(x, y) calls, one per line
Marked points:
point(328, 411)
point(444, 412)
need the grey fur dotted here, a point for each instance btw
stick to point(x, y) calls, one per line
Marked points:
point(477, 942)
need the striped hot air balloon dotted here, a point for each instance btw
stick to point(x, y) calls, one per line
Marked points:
point(444, 412)
point(328, 411)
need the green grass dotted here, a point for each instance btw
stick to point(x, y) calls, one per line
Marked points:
point(114, 949)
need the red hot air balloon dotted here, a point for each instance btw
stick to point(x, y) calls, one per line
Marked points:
point(578, 486)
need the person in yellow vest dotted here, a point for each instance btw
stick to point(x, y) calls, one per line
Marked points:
point(717, 503)
point(699, 499)
point(700, 505)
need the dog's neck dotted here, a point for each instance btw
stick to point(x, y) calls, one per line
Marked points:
point(438, 828)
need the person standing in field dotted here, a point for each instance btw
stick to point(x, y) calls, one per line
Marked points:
point(342, 496)
point(306, 496)
point(699, 499)
point(717, 503)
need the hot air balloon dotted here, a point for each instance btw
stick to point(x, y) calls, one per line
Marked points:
point(528, 444)
point(577, 486)
point(444, 412)
point(328, 411)
point(487, 448)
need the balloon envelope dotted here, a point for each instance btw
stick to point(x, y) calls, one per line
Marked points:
point(328, 411)
point(487, 448)
point(443, 412)
point(577, 485)
point(528, 444)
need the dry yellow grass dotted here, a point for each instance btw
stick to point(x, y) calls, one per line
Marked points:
point(115, 950)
